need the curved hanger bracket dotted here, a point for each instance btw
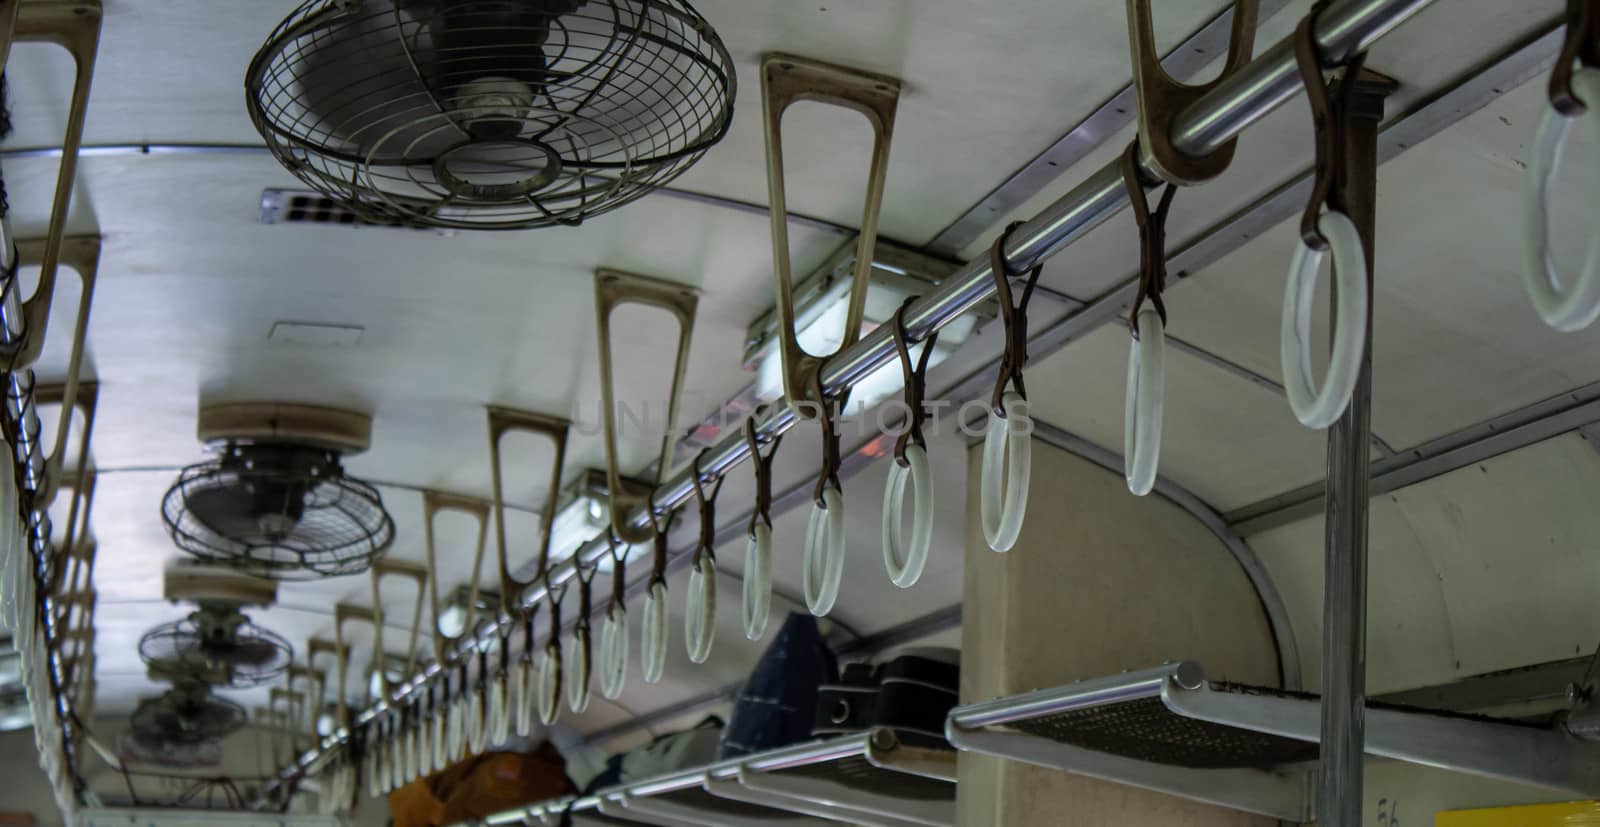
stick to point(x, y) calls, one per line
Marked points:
point(418, 575)
point(1161, 98)
point(292, 700)
point(83, 398)
point(612, 289)
point(433, 503)
point(316, 647)
point(501, 422)
point(82, 253)
point(75, 26)
point(785, 80)
point(344, 613)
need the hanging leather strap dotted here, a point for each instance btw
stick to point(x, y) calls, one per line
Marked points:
point(585, 595)
point(1581, 48)
point(762, 465)
point(555, 598)
point(527, 634)
point(916, 383)
point(831, 409)
point(1014, 320)
point(707, 547)
point(1330, 115)
point(619, 572)
point(1152, 238)
point(658, 568)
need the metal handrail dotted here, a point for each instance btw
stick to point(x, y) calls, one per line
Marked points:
point(1345, 28)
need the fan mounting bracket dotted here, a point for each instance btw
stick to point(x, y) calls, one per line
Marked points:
point(345, 432)
point(210, 584)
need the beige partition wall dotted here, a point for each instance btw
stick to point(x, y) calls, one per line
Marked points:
point(1100, 582)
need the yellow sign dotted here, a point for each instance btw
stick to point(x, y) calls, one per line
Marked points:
point(1571, 814)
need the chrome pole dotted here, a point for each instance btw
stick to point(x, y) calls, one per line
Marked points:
point(1345, 28)
point(1344, 607)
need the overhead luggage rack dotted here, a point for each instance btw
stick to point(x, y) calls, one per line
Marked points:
point(870, 779)
point(1250, 748)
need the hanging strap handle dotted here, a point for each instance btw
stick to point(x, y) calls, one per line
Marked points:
point(1581, 47)
point(1013, 318)
point(762, 465)
point(1330, 115)
point(916, 383)
point(707, 547)
point(829, 411)
point(1152, 238)
point(619, 573)
point(585, 595)
point(527, 633)
point(660, 528)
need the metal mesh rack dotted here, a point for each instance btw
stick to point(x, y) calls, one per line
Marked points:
point(1254, 749)
point(870, 779)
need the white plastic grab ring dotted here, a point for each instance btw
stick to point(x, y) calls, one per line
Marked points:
point(614, 652)
point(578, 678)
point(522, 697)
point(550, 684)
point(400, 758)
point(420, 752)
point(500, 709)
point(1320, 407)
point(458, 730)
point(369, 770)
point(1575, 306)
point(654, 634)
point(1145, 399)
point(700, 616)
point(905, 568)
point(1007, 461)
point(757, 581)
point(441, 748)
point(824, 553)
point(408, 768)
point(477, 724)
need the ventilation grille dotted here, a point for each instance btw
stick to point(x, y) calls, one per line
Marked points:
point(281, 206)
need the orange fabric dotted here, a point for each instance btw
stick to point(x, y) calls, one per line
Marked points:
point(480, 786)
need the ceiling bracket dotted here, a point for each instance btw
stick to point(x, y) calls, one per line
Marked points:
point(501, 422)
point(786, 80)
point(613, 289)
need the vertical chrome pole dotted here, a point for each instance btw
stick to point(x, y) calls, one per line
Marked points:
point(1344, 608)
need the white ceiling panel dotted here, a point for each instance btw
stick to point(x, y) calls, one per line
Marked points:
point(1487, 568)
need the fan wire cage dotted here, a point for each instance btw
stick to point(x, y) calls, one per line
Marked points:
point(186, 715)
point(279, 512)
point(245, 656)
point(490, 114)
